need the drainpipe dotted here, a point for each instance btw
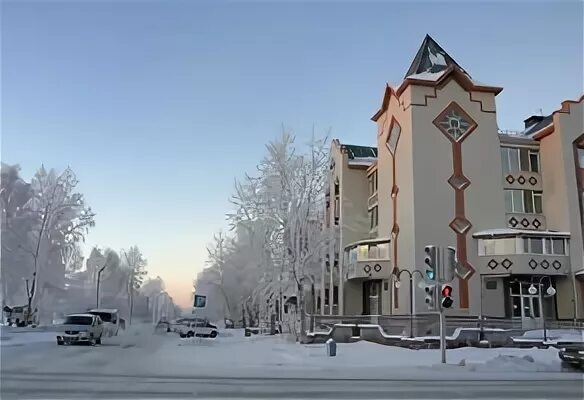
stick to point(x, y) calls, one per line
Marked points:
point(332, 268)
point(341, 245)
point(575, 290)
point(322, 281)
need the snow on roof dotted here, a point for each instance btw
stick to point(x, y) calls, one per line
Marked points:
point(366, 161)
point(369, 241)
point(80, 315)
point(427, 76)
point(517, 232)
point(104, 310)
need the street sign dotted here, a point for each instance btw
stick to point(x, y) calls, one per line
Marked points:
point(200, 301)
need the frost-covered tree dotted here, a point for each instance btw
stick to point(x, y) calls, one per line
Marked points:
point(41, 230)
point(278, 224)
point(135, 266)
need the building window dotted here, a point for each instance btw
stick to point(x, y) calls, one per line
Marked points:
point(497, 247)
point(523, 201)
point(337, 209)
point(372, 183)
point(519, 159)
point(373, 218)
point(551, 246)
point(580, 155)
point(393, 137)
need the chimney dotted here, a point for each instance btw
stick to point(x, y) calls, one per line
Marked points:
point(534, 119)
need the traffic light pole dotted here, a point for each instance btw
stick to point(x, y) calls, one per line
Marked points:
point(442, 336)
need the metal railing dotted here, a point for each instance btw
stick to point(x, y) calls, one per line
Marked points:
point(428, 324)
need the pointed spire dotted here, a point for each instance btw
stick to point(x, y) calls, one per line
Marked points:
point(431, 58)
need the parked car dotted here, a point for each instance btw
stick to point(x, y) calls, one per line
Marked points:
point(110, 318)
point(19, 316)
point(197, 327)
point(81, 328)
point(573, 355)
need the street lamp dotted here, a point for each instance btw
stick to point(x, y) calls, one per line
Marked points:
point(550, 292)
point(397, 284)
point(97, 288)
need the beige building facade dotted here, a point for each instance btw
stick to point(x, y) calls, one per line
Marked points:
point(510, 202)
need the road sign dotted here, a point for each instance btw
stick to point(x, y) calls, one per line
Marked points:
point(200, 301)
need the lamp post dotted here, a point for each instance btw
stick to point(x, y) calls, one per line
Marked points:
point(551, 291)
point(97, 288)
point(411, 280)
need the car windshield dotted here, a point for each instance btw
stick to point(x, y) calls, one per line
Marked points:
point(105, 316)
point(78, 320)
point(291, 198)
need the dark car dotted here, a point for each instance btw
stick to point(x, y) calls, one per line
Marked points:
point(573, 355)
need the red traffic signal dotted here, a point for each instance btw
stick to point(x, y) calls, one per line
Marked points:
point(446, 291)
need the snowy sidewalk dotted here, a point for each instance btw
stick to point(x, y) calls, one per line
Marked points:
point(265, 356)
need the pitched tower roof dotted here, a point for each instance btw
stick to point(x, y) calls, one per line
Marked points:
point(431, 58)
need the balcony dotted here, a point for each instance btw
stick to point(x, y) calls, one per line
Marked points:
point(514, 251)
point(368, 259)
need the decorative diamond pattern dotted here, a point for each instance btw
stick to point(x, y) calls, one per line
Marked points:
point(464, 270)
point(455, 123)
point(458, 182)
point(394, 191)
point(460, 225)
point(532, 180)
point(395, 229)
point(492, 264)
point(545, 264)
point(377, 267)
point(532, 264)
point(525, 222)
point(521, 179)
point(367, 268)
point(536, 223)
point(510, 179)
point(506, 263)
point(513, 222)
point(557, 265)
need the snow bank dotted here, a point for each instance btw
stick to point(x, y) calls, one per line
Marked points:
point(554, 335)
point(16, 338)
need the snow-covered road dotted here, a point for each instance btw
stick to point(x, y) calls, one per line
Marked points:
point(140, 364)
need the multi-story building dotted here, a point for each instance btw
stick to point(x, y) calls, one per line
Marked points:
point(352, 220)
point(511, 203)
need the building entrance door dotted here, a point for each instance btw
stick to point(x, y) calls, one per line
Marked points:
point(525, 305)
point(372, 297)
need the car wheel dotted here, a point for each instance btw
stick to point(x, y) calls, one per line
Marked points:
point(213, 334)
point(182, 335)
point(60, 342)
point(190, 334)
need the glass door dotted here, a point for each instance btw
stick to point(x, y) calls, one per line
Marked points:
point(525, 305)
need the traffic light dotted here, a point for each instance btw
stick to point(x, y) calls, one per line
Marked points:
point(430, 296)
point(431, 260)
point(451, 264)
point(447, 296)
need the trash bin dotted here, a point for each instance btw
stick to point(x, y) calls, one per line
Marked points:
point(331, 348)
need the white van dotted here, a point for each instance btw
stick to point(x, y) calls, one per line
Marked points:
point(110, 318)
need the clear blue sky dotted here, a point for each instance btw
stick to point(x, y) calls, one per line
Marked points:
point(157, 106)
